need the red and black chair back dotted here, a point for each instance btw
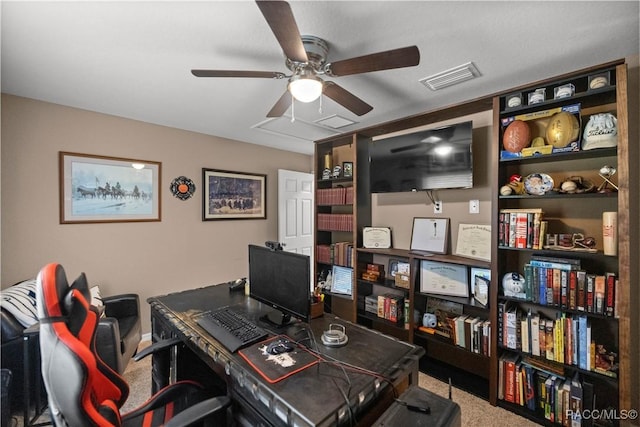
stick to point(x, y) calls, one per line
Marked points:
point(82, 389)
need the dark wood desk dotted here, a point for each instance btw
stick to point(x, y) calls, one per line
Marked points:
point(316, 396)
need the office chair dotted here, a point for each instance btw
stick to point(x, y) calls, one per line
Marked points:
point(82, 389)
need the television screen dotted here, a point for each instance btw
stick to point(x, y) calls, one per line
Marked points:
point(425, 160)
point(281, 280)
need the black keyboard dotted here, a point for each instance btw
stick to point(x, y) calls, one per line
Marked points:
point(231, 329)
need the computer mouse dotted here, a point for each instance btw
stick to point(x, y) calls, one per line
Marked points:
point(280, 346)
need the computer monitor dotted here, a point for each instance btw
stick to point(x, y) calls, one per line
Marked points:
point(342, 280)
point(281, 280)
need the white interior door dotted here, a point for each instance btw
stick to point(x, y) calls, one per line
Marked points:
point(295, 213)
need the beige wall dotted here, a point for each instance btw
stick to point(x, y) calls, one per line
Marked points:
point(152, 258)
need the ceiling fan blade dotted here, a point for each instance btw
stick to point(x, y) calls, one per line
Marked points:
point(281, 106)
point(395, 58)
point(346, 99)
point(280, 18)
point(232, 73)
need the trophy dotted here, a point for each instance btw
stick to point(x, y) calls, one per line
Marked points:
point(606, 172)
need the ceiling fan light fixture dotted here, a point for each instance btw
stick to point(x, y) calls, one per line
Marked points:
point(305, 87)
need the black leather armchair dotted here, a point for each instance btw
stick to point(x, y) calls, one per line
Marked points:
point(119, 331)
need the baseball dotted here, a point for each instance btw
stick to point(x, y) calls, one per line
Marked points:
point(569, 186)
point(505, 190)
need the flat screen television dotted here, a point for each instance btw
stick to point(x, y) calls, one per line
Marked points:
point(426, 160)
point(282, 281)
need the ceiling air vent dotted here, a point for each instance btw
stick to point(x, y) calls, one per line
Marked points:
point(450, 77)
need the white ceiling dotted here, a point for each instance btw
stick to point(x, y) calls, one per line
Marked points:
point(133, 59)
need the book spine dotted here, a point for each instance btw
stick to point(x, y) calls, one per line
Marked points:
point(609, 307)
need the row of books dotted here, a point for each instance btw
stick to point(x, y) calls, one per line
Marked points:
point(521, 228)
point(560, 282)
point(472, 333)
point(391, 307)
point(565, 339)
point(334, 196)
point(335, 222)
point(340, 253)
point(561, 400)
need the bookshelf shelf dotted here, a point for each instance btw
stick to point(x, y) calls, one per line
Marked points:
point(567, 215)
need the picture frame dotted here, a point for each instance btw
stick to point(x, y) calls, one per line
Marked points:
point(347, 169)
point(231, 195)
point(480, 284)
point(104, 189)
point(429, 236)
point(443, 278)
point(397, 266)
point(474, 241)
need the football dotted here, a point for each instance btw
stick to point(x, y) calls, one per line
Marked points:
point(563, 128)
point(516, 136)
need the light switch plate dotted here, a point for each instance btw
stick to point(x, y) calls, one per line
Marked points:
point(474, 206)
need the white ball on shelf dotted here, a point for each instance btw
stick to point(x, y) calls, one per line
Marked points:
point(505, 190)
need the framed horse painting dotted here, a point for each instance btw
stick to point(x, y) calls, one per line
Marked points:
point(108, 189)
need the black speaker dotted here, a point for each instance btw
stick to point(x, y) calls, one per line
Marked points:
point(335, 336)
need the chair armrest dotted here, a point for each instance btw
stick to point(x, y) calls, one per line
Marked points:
point(108, 343)
point(199, 411)
point(11, 328)
point(120, 306)
point(157, 346)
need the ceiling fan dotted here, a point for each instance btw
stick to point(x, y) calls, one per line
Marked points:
point(306, 59)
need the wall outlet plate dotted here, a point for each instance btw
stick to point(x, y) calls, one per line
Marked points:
point(437, 206)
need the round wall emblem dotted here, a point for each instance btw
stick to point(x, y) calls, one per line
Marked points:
point(182, 187)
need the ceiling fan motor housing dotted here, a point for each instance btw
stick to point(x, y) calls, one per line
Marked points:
point(317, 50)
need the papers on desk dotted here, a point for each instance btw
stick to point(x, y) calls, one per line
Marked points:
point(274, 368)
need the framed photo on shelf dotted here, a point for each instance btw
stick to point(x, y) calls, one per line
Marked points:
point(108, 189)
point(480, 282)
point(429, 236)
point(233, 195)
point(347, 169)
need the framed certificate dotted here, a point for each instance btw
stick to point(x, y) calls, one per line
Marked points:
point(443, 278)
point(474, 241)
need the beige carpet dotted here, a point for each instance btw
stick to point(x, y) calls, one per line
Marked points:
point(475, 411)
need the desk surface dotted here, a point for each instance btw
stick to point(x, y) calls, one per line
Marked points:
point(316, 396)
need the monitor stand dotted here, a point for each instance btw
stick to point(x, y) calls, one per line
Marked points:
point(277, 318)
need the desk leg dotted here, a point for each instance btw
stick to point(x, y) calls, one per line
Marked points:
point(27, 384)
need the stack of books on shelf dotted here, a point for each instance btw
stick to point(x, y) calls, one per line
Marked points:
point(391, 307)
point(340, 253)
point(521, 228)
point(567, 339)
point(561, 399)
point(335, 222)
point(373, 272)
point(334, 196)
point(562, 283)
